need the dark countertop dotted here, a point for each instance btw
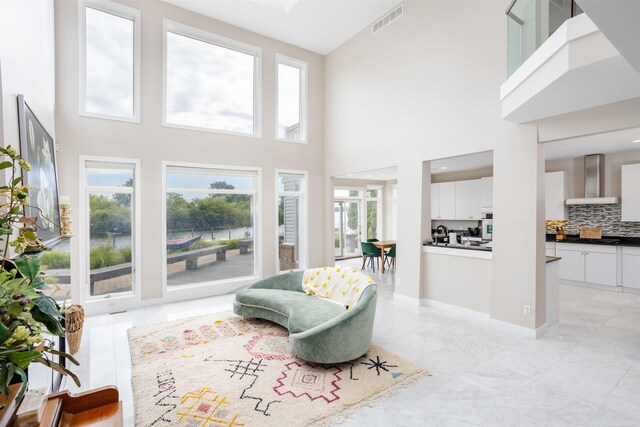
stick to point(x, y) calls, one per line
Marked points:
point(466, 248)
point(606, 240)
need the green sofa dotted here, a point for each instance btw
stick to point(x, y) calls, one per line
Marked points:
point(322, 330)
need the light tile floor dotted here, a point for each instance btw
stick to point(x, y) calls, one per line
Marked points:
point(584, 371)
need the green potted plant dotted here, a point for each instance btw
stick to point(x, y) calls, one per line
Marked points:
point(26, 313)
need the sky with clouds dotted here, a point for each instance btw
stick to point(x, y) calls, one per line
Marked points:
point(109, 64)
point(208, 86)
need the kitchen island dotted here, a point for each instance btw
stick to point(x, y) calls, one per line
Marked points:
point(458, 278)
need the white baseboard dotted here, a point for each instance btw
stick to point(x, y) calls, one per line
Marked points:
point(406, 299)
point(512, 328)
point(485, 318)
point(541, 330)
point(478, 315)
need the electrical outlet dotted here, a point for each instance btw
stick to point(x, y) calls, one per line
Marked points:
point(527, 310)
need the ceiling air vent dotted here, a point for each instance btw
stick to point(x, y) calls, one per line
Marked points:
point(386, 19)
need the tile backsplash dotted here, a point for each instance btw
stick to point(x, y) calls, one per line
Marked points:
point(606, 217)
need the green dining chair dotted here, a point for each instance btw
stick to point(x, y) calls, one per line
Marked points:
point(390, 256)
point(371, 253)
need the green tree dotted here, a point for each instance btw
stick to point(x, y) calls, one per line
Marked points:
point(124, 199)
point(107, 215)
point(178, 212)
point(221, 185)
point(352, 216)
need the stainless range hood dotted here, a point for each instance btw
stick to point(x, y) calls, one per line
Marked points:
point(593, 183)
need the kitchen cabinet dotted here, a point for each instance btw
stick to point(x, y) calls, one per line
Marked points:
point(588, 263)
point(443, 200)
point(556, 190)
point(435, 201)
point(631, 267)
point(630, 199)
point(571, 264)
point(475, 208)
point(468, 200)
point(457, 200)
point(550, 248)
point(463, 199)
point(486, 193)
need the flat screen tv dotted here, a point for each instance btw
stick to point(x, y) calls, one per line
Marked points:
point(37, 148)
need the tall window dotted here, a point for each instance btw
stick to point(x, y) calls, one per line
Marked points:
point(292, 99)
point(109, 65)
point(211, 219)
point(110, 198)
point(211, 82)
point(373, 213)
point(291, 188)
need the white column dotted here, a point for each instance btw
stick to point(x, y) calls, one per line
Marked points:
point(518, 250)
point(414, 226)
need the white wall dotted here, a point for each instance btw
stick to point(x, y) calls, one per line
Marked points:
point(27, 64)
point(152, 143)
point(463, 282)
point(426, 88)
point(612, 171)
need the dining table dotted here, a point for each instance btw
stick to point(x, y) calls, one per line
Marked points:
point(382, 245)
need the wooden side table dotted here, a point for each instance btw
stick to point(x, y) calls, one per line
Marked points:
point(98, 407)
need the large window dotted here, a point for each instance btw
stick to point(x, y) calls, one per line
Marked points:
point(210, 225)
point(211, 82)
point(109, 60)
point(110, 207)
point(291, 189)
point(292, 99)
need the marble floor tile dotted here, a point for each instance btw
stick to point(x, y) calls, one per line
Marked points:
point(584, 371)
point(582, 377)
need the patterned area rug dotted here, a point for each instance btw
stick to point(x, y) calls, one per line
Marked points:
point(220, 370)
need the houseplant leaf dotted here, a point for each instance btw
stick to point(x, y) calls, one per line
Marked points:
point(46, 312)
point(5, 333)
point(22, 358)
point(29, 267)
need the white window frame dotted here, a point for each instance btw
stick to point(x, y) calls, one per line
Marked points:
point(227, 43)
point(379, 206)
point(304, 228)
point(120, 301)
point(303, 67)
point(214, 287)
point(122, 11)
point(394, 211)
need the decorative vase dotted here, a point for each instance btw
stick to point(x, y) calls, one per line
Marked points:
point(74, 322)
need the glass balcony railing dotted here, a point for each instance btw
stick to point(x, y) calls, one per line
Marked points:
point(530, 23)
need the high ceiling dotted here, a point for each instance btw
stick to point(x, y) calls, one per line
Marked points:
point(316, 25)
point(604, 143)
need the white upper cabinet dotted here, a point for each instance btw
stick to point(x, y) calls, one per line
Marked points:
point(468, 199)
point(435, 201)
point(556, 190)
point(443, 200)
point(447, 200)
point(475, 208)
point(486, 185)
point(457, 200)
point(631, 192)
point(463, 199)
